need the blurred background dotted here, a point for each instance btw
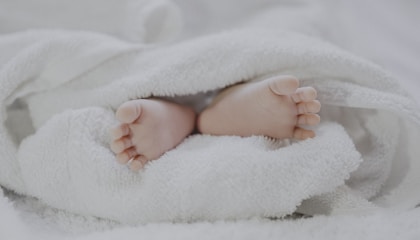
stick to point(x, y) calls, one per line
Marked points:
point(383, 31)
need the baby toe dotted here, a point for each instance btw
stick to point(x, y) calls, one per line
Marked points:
point(125, 156)
point(138, 163)
point(301, 134)
point(121, 144)
point(129, 111)
point(308, 119)
point(304, 94)
point(119, 131)
point(309, 107)
point(283, 85)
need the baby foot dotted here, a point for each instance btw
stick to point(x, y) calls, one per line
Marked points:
point(149, 128)
point(276, 107)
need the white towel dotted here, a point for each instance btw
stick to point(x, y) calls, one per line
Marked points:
point(67, 84)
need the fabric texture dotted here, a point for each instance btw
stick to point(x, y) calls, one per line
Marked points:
point(67, 84)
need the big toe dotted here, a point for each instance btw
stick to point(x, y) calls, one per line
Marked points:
point(128, 112)
point(283, 85)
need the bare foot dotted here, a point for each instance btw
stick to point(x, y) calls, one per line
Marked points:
point(149, 128)
point(275, 107)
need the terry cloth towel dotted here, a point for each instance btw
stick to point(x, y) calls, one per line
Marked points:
point(67, 85)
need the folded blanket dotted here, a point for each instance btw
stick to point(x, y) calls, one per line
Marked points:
point(67, 84)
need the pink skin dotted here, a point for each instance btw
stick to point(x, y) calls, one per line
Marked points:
point(149, 128)
point(274, 107)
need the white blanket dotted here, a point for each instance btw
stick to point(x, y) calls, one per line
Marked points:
point(66, 83)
